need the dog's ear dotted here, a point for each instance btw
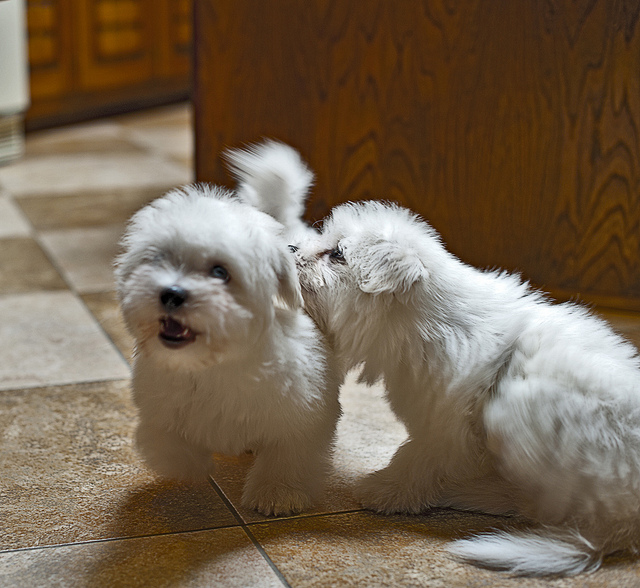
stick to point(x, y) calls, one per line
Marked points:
point(288, 286)
point(387, 267)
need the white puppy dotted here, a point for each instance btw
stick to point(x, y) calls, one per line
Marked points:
point(512, 404)
point(220, 366)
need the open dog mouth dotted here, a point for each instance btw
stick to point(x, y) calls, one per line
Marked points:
point(174, 334)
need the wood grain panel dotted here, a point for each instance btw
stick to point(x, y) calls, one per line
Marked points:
point(49, 31)
point(43, 50)
point(92, 58)
point(175, 25)
point(513, 127)
point(42, 16)
point(115, 51)
point(118, 13)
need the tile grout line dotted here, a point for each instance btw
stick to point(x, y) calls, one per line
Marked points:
point(111, 539)
point(239, 522)
point(305, 517)
point(244, 526)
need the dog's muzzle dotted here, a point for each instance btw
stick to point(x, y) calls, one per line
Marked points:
point(173, 333)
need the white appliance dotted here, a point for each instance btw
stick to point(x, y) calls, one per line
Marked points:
point(14, 81)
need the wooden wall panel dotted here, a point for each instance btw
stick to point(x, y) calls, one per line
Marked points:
point(513, 127)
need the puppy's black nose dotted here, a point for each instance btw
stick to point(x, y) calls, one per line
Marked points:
point(173, 297)
point(293, 248)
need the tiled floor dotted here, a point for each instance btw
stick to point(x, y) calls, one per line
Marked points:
point(77, 507)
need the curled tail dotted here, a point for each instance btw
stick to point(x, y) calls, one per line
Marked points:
point(273, 178)
point(547, 552)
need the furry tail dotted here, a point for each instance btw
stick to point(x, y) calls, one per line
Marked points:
point(548, 552)
point(273, 178)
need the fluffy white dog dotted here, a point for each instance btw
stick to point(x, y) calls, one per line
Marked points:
point(225, 359)
point(512, 404)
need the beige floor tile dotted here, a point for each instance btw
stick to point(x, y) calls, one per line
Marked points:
point(86, 209)
point(165, 131)
point(92, 137)
point(70, 472)
point(368, 435)
point(222, 557)
point(363, 549)
point(50, 338)
point(84, 173)
point(104, 306)
point(24, 267)
point(85, 255)
point(175, 141)
point(13, 222)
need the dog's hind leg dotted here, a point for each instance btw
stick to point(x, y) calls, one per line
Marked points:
point(574, 457)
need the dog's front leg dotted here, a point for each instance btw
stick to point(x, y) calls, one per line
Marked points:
point(171, 455)
point(409, 484)
point(286, 477)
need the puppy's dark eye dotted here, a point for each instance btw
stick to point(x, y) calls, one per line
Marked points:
point(337, 255)
point(219, 272)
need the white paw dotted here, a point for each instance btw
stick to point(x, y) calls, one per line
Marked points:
point(274, 499)
point(388, 496)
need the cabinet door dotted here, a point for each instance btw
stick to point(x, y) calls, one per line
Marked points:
point(97, 57)
point(175, 32)
point(115, 42)
point(50, 48)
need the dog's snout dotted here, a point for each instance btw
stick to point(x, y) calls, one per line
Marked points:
point(173, 297)
point(293, 248)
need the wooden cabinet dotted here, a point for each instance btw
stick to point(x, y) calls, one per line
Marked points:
point(512, 126)
point(50, 50)
point(91, 57)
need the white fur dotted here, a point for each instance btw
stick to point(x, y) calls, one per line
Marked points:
point(273, 178)
point(512, 404)
point(257, 376)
